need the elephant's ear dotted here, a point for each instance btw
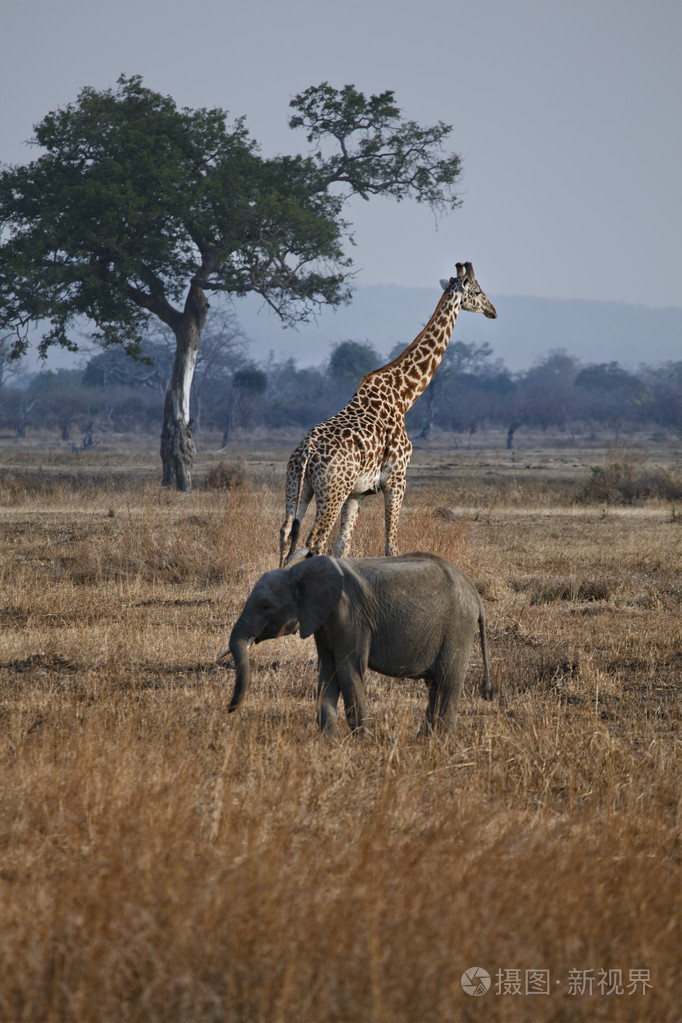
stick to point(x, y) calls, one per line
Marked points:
point(318, 586)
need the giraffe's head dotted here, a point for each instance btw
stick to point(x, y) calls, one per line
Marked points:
point(474, 299)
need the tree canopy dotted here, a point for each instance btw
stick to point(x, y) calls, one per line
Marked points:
point(351, 360)
point(136, 208)
point(133, 199)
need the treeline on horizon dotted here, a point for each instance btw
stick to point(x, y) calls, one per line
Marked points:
point(471, 390)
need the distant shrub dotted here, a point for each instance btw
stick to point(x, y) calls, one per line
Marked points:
point(626, 479)
point(547, 589)
point(226, 476)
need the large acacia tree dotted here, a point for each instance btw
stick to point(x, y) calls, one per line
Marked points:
point(136, 209)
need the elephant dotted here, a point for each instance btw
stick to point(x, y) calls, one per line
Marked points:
point(408, 616)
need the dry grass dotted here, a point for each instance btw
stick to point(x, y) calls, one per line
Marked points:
point(161, 861)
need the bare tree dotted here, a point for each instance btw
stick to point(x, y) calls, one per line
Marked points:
point(11, 366)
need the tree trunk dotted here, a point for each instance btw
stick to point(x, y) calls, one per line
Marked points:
point(24, 409)
point(429, 412)
point(177, 441)
point(513, 427)
point(230, 416)
point(226, 432)
point(197, 412)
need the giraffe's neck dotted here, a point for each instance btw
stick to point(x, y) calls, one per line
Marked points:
point(407, 376)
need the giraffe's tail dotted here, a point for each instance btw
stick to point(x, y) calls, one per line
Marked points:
point(296, 474)
point(302, 469)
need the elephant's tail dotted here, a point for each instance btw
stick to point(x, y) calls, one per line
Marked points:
point(486, 688)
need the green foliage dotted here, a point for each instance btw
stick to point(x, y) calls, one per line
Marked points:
point(113, 367)
point(626, 478)
point(56, 380)
point(610, 377)
point(378, 151)
point(101, 219)
point(469, 358)
point(226, 476)
point(250, 379)
point(351, 360)
point(135, 206)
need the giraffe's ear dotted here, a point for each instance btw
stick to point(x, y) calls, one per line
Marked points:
point(444, 283)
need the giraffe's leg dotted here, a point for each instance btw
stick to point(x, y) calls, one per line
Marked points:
point(349, 517)
point(285, 536)
point(327, 511)
point(393, 500)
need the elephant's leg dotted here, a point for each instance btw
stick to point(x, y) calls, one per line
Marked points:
point(352, 687)
point(431, 714)
point(444, 687)
point(327, 693)
point(349, 517)
point(449, 674)
point(447, 699)
point(328, 507)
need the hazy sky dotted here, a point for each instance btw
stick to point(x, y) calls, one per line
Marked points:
point(566, 114)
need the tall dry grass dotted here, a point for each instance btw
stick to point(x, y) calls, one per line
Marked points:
point(161, 861)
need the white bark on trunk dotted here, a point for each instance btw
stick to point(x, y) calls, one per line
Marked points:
point(177, 442)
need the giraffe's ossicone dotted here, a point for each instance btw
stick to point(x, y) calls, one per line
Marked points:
point(364, 448)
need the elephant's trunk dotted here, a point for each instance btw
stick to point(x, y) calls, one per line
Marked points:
point(239, 648)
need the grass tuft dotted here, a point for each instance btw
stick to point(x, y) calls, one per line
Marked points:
point(627, 479)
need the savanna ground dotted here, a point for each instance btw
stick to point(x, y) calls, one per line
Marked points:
point(160, 860)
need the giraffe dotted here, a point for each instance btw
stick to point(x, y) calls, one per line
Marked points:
point(364, 448)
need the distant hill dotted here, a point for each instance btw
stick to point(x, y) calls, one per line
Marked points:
point(526, 329)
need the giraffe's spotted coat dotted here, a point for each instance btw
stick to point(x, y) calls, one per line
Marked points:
point(364, 448)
